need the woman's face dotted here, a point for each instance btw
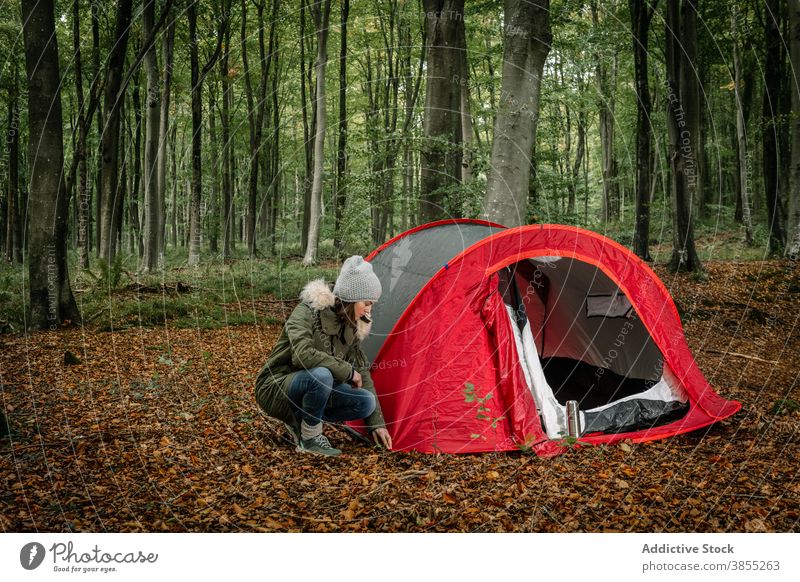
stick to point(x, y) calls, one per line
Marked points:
point(363, 308)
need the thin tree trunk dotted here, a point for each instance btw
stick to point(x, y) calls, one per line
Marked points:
point(175, 206)
point(108, 192)
point(411, 85)
point(321, 19)
point(442, 147)
point(255, 134)
point(741, 135)
point(605, 105)
point(641, 15)
point(307, 131)
point(51, 299)
point(152, 119)
point(198, 76)
point(13, 242)
point(197, 173)
point(227, 154)
point(586, 180)
point(691, 69)
point(576, 166)
point(256, 109)
point(98, 160)
point(771, 107)
point(82, 194)
point(163, 130)
point(137, 169)
point(119, 204)
point(793, 218)
point(564, 161)
point(268, 61)
point(340, 200)
point(524, 54)
point(679, 26)
point(213, 224)
point(276, 166)
point(467, 136)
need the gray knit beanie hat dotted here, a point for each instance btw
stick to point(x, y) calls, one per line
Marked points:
point(357, 281)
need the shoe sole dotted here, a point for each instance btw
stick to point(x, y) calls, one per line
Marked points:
point(300, 449)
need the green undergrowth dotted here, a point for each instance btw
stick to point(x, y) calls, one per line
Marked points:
point(241, 290)
point(212, 295)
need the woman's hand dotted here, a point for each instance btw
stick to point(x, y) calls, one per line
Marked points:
point(356, 379)
point(382, 438)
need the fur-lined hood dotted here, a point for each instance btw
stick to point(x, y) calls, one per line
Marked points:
point(318, 295)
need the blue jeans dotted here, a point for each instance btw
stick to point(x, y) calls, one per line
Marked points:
point(315, 397)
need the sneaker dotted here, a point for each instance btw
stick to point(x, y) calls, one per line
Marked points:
point(319, 445)
point(294, 432)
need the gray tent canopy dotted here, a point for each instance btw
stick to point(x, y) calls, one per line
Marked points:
point(404, 265)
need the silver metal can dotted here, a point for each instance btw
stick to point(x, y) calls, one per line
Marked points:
point(573, 418)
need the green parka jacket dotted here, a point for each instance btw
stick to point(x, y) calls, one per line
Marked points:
point(314, 336)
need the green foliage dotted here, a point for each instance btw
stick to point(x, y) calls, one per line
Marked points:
point(570, 442)
point(483, 411)
point(109, 276)
point(785, 406)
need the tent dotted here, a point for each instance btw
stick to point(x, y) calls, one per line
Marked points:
point(483, 334)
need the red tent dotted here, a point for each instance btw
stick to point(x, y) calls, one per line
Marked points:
point(483, 334)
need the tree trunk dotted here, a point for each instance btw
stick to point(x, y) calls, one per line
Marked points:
point(119, 201)
point(576, 166)
point(137, 170)
point(110, 137)
point(641, 15)
point(467, 137)
point(527, 42)
point(605, 106)
point(197, 127)
point(268, 62)
point(691, 87)
point(321, 19)
point(51, 299)
point(564, 160)
point(793, 219)
point(197, 77)
point(152, 118)
point(743, 181)
point(13, 242)
point(174, 212)
point(340, 200)
point(276, 166)
point(255, 135)
point(82, 193)
point(98, 158)
point(163, 129)
point(213, 223)
point(256, 109)
point(410, 95)
point(679, 25)
point(771, 107)
point(227, 154)
point(118, 215)
point(307, 131)
point(442, 150)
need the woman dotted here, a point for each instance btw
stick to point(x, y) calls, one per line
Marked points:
point(317, 371)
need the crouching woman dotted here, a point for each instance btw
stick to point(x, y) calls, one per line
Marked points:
point(317, 371)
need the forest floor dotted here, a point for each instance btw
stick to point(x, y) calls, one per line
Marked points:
point(156, 429)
